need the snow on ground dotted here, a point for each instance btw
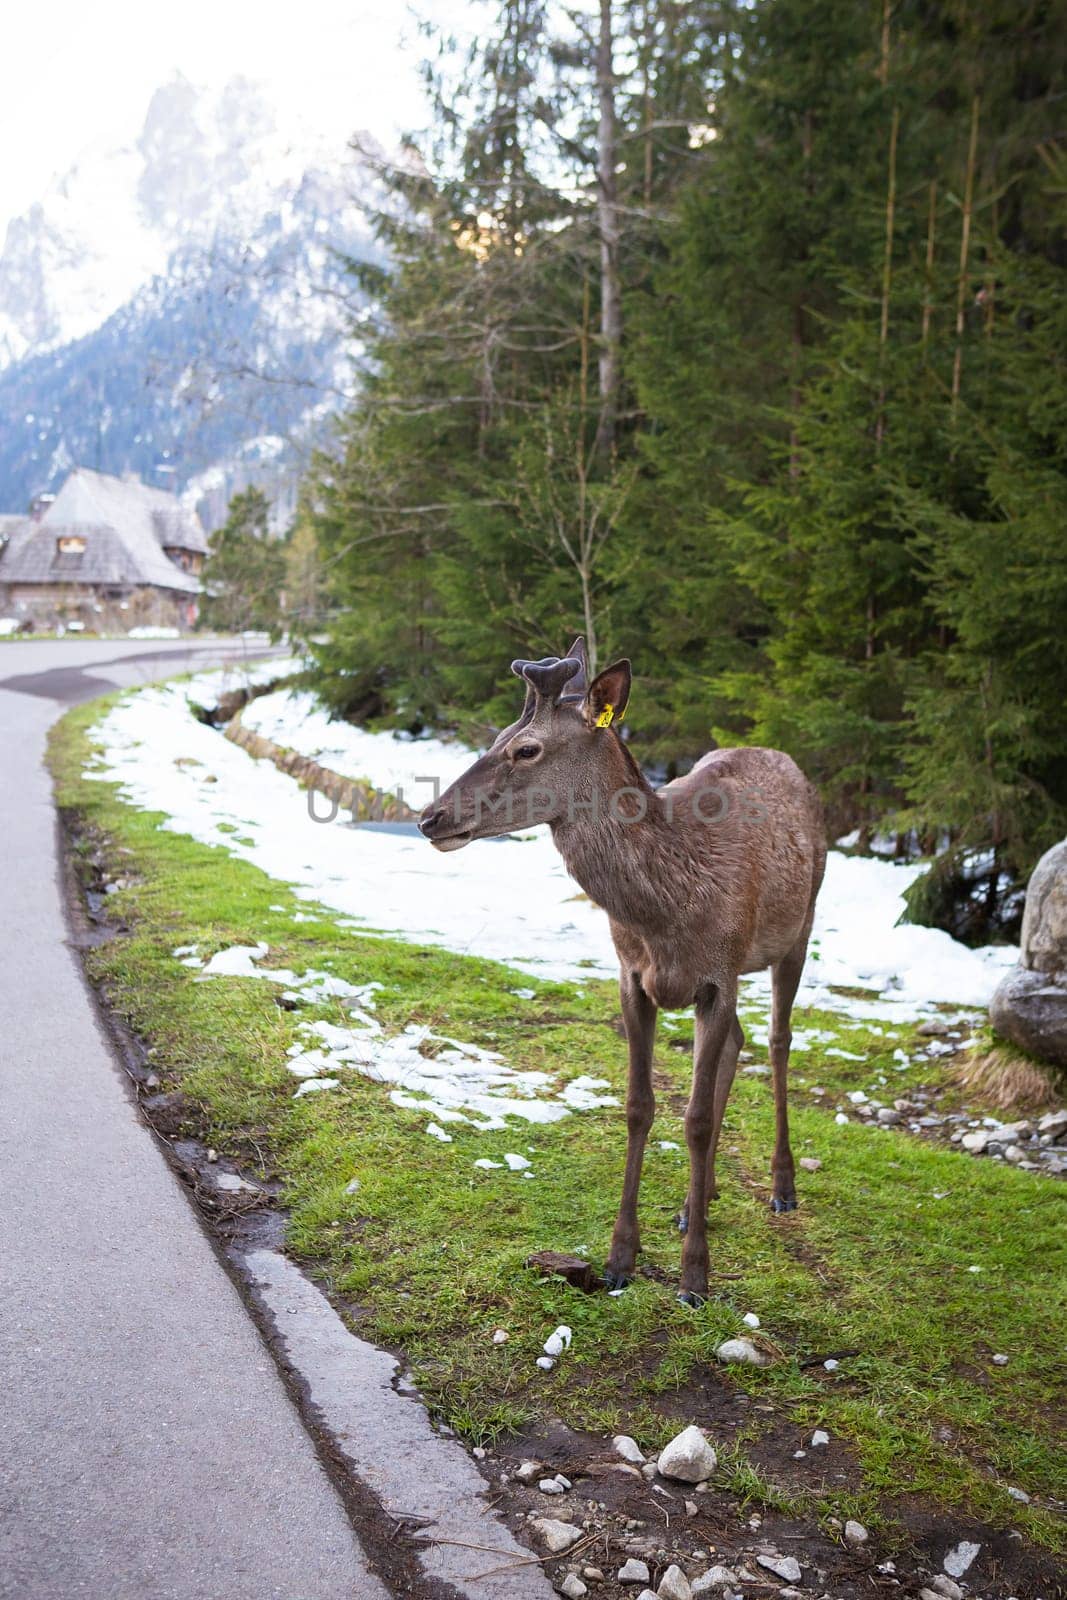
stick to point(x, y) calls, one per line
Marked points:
point(433, 1073)
point(509, 900)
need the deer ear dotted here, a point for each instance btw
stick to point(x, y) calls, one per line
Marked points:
point(607, 695)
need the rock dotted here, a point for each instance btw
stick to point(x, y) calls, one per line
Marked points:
point(1054, 1123)
point(527, 1471)
point(714, 1578)
point(628, 1449)
point(674, 1585)
point(646, 1594)
point(888, 1118)
point(352, 1186)
point(743, 1350)
point(855, 1533)
point(810, 1163)
point(633, 1571)
point(649, 1470)
point(947, 1587)
point(932, 1028)
point(750, 1319)
point(594, 1574)
point(546, 1363)
point(558, 1536)
point(820, 1436)
point(960, 1558)
point(1030, 1009)
point(1044, 935)
point(573, 1587)
point(787, 1567)
point(975, 1142)
point(689, 1458)
point(576, 1270)
point(1020, 1495)
point(830, 1364)
point(500, 1336)
point(1014, 1154)
point(691, 1508)
point(1000, 1361)
point(550, 1486)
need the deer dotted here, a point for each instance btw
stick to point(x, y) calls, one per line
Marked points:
point(710, 876)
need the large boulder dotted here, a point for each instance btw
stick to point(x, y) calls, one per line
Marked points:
point(1030, 1005)
point(1044, 942)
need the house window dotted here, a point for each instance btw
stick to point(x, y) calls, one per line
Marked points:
point(70, 544)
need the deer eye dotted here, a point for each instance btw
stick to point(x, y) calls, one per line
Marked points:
point(526, 752)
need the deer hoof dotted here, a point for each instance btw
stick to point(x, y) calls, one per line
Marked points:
point(783, 1203)
point(616, 1280)
point(687, 1297)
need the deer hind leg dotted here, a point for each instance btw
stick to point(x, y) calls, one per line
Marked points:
point(785, 980)
point(724, 1077)
point(639, 1016)
point(716, 1015)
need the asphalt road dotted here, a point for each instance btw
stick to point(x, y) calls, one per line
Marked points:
point(148, 1448)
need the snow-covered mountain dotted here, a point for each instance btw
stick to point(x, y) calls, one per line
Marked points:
point(179, 307)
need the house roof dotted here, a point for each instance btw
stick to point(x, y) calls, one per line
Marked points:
point(125, 526)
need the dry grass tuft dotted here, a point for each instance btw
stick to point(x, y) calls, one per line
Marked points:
point(1009, 1080)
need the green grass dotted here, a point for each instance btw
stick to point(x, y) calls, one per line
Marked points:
point(428, 1255)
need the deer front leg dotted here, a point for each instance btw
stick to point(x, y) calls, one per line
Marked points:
point(724, 1077)
point(716, 1016)
point(639, 1017)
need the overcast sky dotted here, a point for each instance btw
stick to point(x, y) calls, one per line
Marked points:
point(73, 74)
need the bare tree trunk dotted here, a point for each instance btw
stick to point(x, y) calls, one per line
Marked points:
point(887, 273)
point(608, 220)
point(965, 245)
point(931, 233)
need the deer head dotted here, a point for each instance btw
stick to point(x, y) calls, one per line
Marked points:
point(534, 769)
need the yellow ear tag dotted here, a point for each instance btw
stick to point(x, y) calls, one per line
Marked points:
point(605, 718)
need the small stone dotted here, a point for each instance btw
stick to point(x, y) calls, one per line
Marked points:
point(573, 1587)
point(787, 1567)
point(546, 1363)
point(960, 1558)
point(855, 1532)
point(213, 1155)
point(812, 1163)
point(947, 1587)
point(550, 1486)
point(1053, 1122)
point(527, 1471)
point(1000, 1361)
point(800, 1455)
point(558, 1536)
point(888, 1118)
point(750, 1319)
point(478, 1453)
point(628, 1449)
point(646, 1594)
point(743, 1350)
point(689, 1458)
point(830, 1365)
point(691, 1508)
point(352, 1186)
point(649, 1470)
point(674, 1585)
point(933, 1028)
point(594, 1574)
point(500, 1336)
point(840, 1119)
point(820, 1436)
point(714, 1578)
point(857, 1097)
point(1020, 1495)
point(633, 1571)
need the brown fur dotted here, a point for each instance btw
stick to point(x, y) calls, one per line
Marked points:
point(709, 877)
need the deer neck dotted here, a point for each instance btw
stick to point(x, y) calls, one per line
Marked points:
point(614, 841)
